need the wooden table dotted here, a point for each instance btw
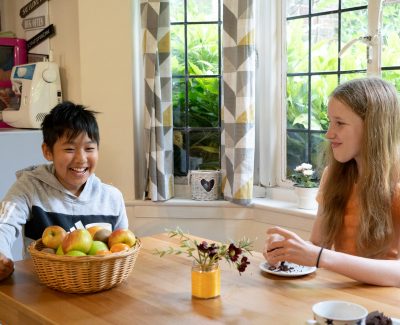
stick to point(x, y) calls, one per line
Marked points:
point(158, 291)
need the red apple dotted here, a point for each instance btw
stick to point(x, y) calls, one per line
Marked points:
point(119, 247)
point(103, 253)
point(53, 236)
point(94, 229)
point(124, 236)
point(77, 240)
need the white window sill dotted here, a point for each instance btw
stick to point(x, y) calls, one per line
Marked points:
point(280, 200)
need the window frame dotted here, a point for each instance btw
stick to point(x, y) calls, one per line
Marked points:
point(275, 175)
point(186, 129)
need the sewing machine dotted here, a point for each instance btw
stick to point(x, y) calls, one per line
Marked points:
point(37, 89)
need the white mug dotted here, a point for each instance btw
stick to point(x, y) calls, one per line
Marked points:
point(337, 312)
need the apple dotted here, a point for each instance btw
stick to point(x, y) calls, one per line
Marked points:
point(119, 247)
point(59, 250)
point(102, 235)
point(103, 252)
point(77, 240)
point(124, 236)
point(53, 236)
point(97, 246)
point(75, 253)
point(94, 229)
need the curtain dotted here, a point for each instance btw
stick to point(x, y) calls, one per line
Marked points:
point(238, 131)
point(157, 99)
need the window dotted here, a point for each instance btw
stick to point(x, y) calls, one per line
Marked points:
point(196, 84)
point(316, 31)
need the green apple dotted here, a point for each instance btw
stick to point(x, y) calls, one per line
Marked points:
point(53, 236)
point(59, 251)
point(124, 236)
point(77, 240)
point(97, 246)
point(75, 253)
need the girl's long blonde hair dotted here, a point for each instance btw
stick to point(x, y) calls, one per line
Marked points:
point(376, 102)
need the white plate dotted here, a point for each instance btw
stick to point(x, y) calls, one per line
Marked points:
point(294, 269)
point(395, 321)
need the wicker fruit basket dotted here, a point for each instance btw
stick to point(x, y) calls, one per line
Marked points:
point(82, 274)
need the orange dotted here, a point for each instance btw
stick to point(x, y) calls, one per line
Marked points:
point(119, 247)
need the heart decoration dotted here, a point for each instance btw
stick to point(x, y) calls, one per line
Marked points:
point(207, 185)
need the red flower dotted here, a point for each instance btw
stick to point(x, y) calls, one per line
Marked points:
point(234, 252)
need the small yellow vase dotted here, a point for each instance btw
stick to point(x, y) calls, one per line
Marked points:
point(206, 281)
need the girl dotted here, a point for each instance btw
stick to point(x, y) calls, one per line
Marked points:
point(357, 230)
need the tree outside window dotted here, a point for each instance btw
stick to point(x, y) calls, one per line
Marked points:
point(316, 31)
point(196, 77)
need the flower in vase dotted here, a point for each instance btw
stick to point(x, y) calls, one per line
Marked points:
point(304, 176)
point(207, 254)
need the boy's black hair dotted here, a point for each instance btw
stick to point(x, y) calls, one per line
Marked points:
point(69, 119)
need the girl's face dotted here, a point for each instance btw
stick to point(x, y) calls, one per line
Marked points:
point(74, 161)
point(345, 131)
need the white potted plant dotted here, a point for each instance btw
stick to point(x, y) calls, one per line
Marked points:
point(306, 184)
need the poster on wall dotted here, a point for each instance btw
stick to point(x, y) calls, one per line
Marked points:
point(38, 30)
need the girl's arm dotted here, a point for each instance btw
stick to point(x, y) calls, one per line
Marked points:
point(293, 249)
point(367, 270)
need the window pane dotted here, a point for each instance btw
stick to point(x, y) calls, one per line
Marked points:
point(296, 7)
point(318, 144)
point(350, 76)
point(321, 88)
point(297, 144)
point(324, 43)
point(354, 25)
point(353, 3)
point(297, 102)
point(391, 35)
point(177, 13)
point(324, 5)
point(297, 45)
point(203, 102)
point(204, 10)
point(180, 166)
point(177, 50)
point(204, 150)
point(178, 97)
point(203, 49)
point(393, 77)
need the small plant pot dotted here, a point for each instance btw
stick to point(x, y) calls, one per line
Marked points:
point(206, 281)
point(306, 197)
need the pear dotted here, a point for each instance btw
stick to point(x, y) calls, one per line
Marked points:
point(102, 235)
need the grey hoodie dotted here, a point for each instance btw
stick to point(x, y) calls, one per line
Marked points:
point(37, 200)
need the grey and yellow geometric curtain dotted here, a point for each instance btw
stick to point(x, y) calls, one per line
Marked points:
point(157, 99)
point(238, 134)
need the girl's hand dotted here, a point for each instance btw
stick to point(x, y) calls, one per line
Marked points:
point(284, 245)
point(6, 267)
point(270, 246)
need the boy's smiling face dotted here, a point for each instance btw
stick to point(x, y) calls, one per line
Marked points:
point(74, 160)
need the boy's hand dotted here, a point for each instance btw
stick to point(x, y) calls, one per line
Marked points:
point(6, 267)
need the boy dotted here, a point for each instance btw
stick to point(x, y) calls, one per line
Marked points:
point(65, 192)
